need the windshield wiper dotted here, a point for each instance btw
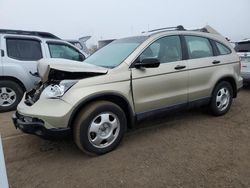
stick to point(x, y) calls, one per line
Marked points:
point(105, 66)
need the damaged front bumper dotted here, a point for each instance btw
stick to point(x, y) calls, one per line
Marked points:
point(45, 118)
point(36, 126)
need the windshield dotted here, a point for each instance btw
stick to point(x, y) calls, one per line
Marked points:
point(116, 52)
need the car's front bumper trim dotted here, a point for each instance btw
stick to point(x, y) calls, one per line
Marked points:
point(36, 126)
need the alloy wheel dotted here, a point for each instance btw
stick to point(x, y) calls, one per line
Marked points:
point(7, 96)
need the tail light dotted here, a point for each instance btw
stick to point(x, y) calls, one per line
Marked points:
point(239, 62)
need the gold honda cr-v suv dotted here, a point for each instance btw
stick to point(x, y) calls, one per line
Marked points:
point(128, 80)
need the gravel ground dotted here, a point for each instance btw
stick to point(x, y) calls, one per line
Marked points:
point(188, 149)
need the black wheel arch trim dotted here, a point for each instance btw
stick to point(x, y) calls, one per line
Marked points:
point(13, 79)
point(130, 115)
point(231, 80)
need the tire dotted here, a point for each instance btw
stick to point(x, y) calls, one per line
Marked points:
point(11, 94)
point(221, 98)
point(99, 127)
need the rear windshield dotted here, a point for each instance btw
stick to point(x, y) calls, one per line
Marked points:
point(243, 46)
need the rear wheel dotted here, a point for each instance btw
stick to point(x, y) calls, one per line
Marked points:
point(99, 127)
point(10, 95)
point(221, 98)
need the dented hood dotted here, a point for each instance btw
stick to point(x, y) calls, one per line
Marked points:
point(66, 69)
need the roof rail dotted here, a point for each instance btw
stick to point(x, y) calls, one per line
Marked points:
point(207, 29)
point(201, 30)
point(179, 27)
point(34, 33)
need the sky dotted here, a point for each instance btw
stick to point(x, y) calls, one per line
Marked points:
point(71, 19)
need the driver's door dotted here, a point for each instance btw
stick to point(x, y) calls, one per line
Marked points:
point(164, 86)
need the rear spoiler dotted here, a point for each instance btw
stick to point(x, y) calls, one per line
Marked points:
point(208, 29)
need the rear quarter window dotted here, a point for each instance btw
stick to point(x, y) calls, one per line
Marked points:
point(223, 50)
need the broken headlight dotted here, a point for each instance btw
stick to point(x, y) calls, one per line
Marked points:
point(57, 90)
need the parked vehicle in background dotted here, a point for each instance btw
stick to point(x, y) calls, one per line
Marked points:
point(76, 43)
point(102, 43)
point(128, 80)
point(81, 44)
point(243, 50)
point(20, 51)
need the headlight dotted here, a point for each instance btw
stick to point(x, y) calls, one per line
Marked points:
point(57, 90)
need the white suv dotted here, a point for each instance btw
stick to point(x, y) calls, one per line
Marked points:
point(19, 52)
point(243, 50)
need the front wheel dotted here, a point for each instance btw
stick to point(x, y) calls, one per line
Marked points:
point(221, 99)
point(99, 127)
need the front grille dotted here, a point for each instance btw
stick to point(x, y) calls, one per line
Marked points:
point(33, 95)
point(28, 119)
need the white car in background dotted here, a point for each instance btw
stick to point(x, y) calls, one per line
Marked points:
point(19, 55)
point(243, 50)
point(81, 44)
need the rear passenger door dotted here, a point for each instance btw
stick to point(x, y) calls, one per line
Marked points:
point(201, 65)
point(20, 58)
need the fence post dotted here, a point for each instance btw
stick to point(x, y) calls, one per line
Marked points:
point(3, 174)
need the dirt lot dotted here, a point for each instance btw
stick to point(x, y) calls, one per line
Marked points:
point(189, 149)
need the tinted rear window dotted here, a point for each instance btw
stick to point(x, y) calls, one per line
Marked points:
point(24, 49)
point(243, 46)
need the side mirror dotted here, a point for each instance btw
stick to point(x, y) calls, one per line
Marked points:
point(81, 57)
point(148, 63)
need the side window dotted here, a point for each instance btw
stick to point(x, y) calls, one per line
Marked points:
point(167, 49)
point(24, 49)
point(64, 51)
point(198, 47)
point(223, 50)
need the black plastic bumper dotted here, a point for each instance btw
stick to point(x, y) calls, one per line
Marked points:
point(36, 126)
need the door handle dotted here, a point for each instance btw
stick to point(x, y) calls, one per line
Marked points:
point(216, 62)
point(179, 67)
point(34, 74)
